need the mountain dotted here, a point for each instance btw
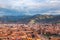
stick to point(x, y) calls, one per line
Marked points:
point(14, 19)
point(46, 18)
point(28, 18)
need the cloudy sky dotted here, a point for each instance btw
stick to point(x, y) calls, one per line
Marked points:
point(29, 7)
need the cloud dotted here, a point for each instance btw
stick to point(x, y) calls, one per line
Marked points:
point(32, 6)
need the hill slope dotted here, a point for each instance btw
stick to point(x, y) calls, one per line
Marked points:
point(46, 18)
point(27, 19)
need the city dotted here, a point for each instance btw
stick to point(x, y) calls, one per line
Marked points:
point(35, 31)
point(29, 19)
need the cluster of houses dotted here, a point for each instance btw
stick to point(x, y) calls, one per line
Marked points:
point(29, 31)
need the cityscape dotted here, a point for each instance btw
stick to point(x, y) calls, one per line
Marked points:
point(29, 19)
point(29, 31)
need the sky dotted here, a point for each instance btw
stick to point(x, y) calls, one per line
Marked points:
point(29, 7)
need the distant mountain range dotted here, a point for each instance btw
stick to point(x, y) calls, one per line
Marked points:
point(26, 19)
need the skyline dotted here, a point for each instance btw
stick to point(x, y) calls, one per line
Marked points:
point(29, 7)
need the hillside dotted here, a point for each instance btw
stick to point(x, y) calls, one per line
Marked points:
point(46, 18)
point(26, 19)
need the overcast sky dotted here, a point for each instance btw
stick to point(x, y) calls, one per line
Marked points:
point(29, 7)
